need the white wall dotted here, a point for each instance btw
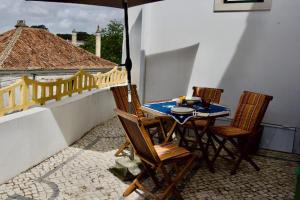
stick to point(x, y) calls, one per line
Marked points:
point(258, 51)
point(31, 136)
point(172, 79)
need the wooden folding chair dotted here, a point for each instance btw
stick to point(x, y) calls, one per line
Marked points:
point(155, 158)
point(213, 94)
point(120, 94)
point(242, 132)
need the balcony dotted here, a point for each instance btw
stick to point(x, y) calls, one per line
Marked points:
point(63, 146)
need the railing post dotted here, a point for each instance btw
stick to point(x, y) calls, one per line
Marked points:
point(12, 98)
point(95, 85)
point(74, 84)
point(70, 87)
point(90, 83)
point(34, 91)
point(1, 102)
point(58, 89)
point(80, 82)
point(24, 93)
point(99, 79)
point(65, 84)
point(43, 94)
point(51, 90)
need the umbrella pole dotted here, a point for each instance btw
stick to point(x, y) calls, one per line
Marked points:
point(128, 65)
point(128, 62)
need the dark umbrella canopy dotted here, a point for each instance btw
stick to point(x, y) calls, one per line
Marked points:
point(108, 3)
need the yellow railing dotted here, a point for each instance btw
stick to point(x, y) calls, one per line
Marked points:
point(27, 92)
point(113, 77)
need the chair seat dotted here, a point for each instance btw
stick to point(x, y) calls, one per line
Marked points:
point(170, 151)
point(198, 123)
point(228, 131)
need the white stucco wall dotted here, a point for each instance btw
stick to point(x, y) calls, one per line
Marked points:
point(257, 51)
point(31, 136)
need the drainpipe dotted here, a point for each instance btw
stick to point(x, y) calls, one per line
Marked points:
point(98, 42)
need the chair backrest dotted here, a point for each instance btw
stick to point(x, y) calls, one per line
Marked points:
point(251, 110)
point(121, 98)
point(138, 136)
point(214, 94)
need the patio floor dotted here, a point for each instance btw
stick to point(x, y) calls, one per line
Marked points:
point(81, 172)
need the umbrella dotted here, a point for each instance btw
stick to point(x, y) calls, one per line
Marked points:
point(116, 4)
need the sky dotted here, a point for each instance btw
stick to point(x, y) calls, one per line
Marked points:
point(58, 17)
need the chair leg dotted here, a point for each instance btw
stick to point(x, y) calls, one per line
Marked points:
point(241, 157)
point(252, 163)
point(137, 185)
point(237, 164)
point(171, 188)
point(222, 144)
point(134, 184)
point(210, 142)
point(169, 180)
point(122, 148)
point(224, 147)
point(213, 144)
point(244, 150)
point(151, 173)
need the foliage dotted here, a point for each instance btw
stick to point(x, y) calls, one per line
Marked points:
point(65, 36)
point(111, 41)
point(42, 26)
point(90, 44)
point(81, 36)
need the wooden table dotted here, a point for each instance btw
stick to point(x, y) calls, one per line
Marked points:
point(176, 126)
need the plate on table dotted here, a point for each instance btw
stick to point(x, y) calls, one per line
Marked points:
point(182, 110)
point(193, 99)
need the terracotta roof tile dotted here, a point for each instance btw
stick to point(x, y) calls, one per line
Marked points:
point(39, 49)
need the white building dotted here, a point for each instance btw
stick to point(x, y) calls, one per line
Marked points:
point(178, 44)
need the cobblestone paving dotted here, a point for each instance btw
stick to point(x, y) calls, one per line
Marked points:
point(81, 172)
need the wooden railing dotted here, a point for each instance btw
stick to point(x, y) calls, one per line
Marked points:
point(113, 77)
point(26, 92)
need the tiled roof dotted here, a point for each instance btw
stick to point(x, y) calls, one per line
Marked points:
point(37, 49)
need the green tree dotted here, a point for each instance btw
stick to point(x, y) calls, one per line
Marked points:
point(112, 41)
point(89, 42)
point(42, 26)
point(65, 36)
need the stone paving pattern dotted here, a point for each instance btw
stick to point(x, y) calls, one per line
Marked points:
point(81, 172)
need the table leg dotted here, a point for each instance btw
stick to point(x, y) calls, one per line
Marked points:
point(182, 137)
point(170, 132)
point(199, 136)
